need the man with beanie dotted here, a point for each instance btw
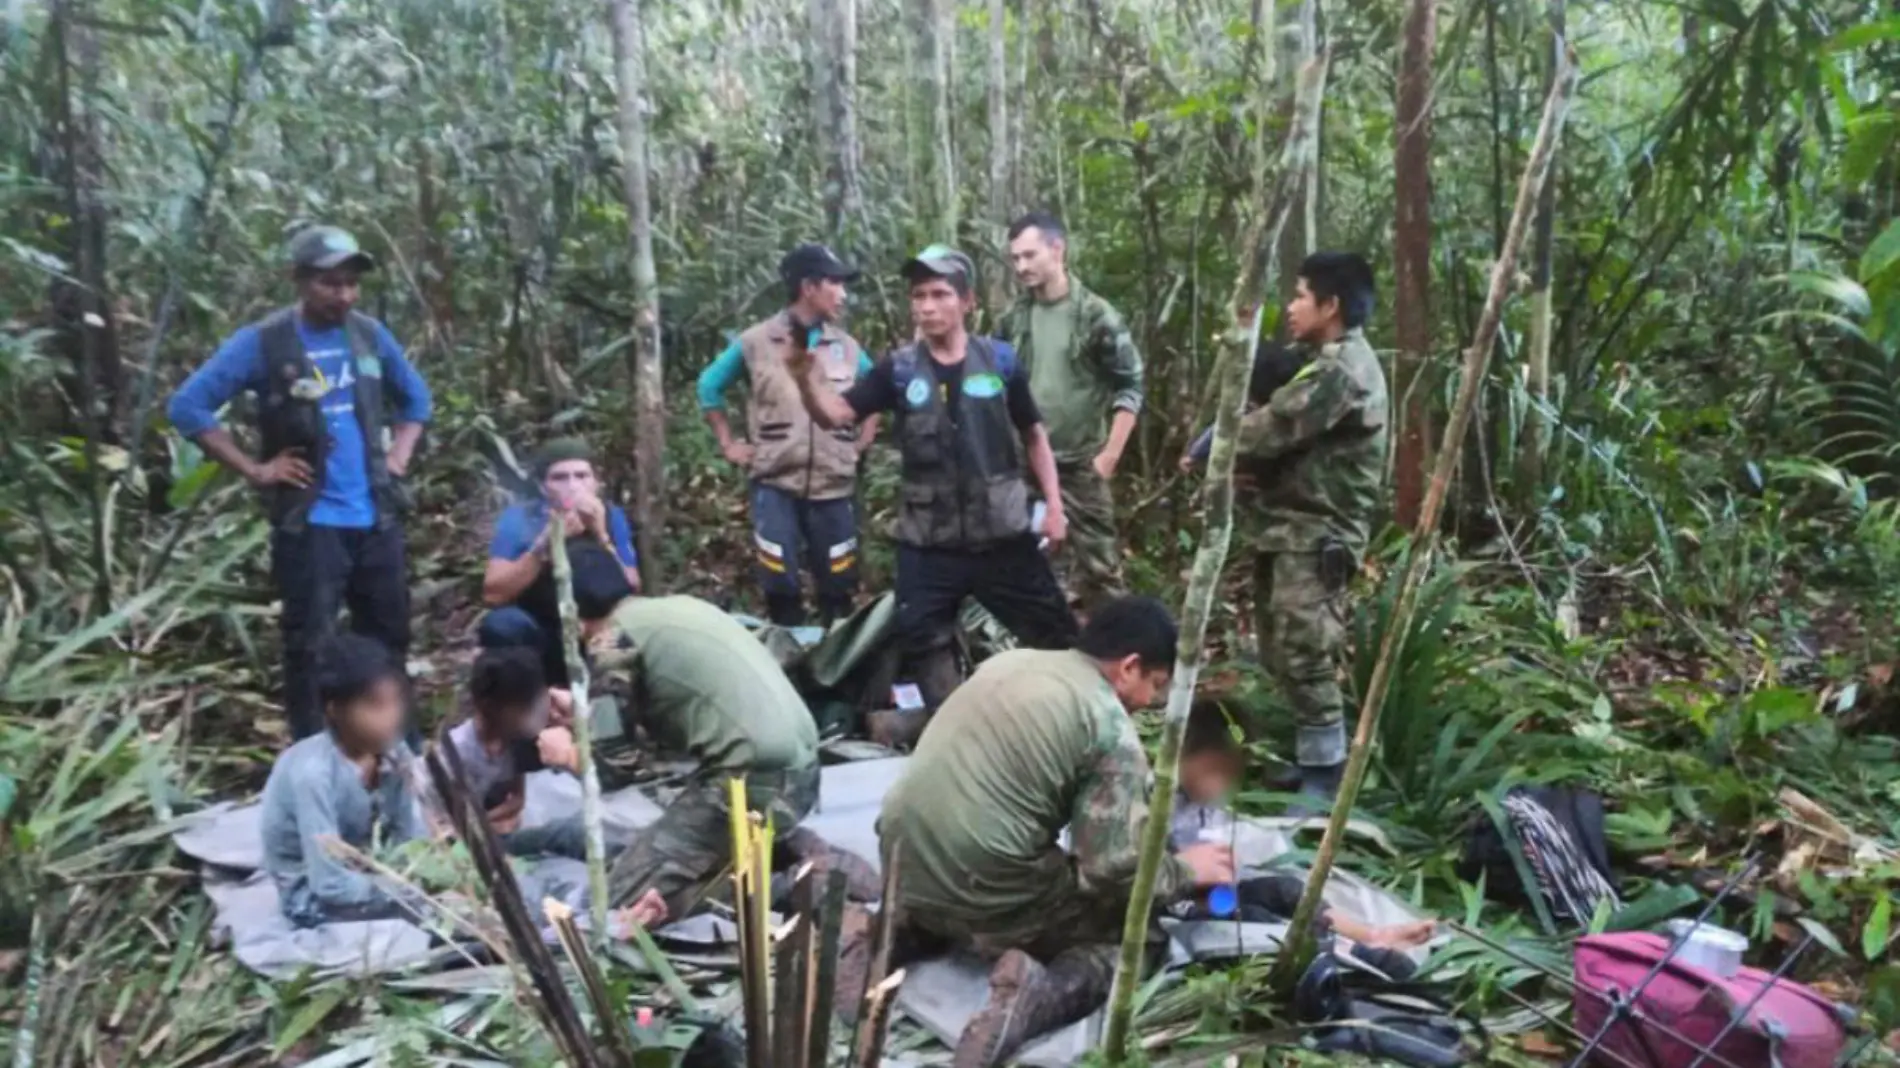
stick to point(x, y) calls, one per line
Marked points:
point(965, 422)
point(803, 477)
point(339, 413)
point(519, 582)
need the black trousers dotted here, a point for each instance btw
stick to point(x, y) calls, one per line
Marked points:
point(1011, 578)
point(320, 570)
point(790, 533)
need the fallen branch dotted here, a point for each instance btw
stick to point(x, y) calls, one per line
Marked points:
point(1299, 947)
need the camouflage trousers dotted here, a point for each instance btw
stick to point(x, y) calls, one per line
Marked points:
point(1090, 565)
point(1300, 624)
point(1084, 930)
point(691, 843)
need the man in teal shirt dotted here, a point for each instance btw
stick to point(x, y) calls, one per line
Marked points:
point(803, 476)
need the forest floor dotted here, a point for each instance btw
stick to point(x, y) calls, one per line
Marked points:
point(1741, 718)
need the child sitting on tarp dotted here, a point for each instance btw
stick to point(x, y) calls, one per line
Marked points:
point(1213, 757)
point(347, 783)
point(515, 724)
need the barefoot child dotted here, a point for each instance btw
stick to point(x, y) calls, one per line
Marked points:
point(1212, 760)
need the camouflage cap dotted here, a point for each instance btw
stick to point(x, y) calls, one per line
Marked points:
point(940, 261)
point(323, 248)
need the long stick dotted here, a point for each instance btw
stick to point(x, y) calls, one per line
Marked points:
point(583, 730)
point(1243, 338)
point(1299, 947)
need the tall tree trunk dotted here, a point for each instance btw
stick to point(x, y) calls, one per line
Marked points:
point(1412, 261)
point(933, 159)
point(649, 400)
point(80, 304)
point(1002, 180)
point(834, 35)
point(1278, 199)
point(1301, 236)
point(1295, 955)
point(1537, 427)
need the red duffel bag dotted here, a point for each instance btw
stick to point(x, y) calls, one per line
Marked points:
point(1790, 1026)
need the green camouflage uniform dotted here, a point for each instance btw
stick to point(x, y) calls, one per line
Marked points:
point(1082, 364)
point(700, 684)
point(1317, 454)
point(1034, 742)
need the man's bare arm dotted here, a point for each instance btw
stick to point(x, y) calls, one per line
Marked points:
point(867, 433)
point(287, 468)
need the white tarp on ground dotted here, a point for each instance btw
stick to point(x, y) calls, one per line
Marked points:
point(940, 994)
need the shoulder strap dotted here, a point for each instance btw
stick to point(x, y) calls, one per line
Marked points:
point(904, 366)
point(361, 330)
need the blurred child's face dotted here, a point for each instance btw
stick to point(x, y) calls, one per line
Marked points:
point(514, 720)
point(373, 720)
point(1209, 775)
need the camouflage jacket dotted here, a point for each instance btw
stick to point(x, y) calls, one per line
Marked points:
point(1075, 390)
point(1317, 452)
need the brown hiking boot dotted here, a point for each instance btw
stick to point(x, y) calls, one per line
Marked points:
point(861, 882)
point(1027, 1001)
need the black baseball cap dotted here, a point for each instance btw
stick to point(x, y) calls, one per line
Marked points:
point(807, 262)
point(324, 248)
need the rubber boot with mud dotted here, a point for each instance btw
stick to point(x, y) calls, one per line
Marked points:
point(1027, 1001)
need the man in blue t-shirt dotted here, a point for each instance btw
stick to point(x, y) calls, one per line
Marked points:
point(340, 411)
point(519, 582)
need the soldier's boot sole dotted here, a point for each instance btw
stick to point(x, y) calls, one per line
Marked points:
point(1028, 1000)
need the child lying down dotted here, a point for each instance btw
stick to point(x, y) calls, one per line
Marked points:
point(353, 783)
point(1212, 759)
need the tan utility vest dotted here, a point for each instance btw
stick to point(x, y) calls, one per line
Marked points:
point(790, 452)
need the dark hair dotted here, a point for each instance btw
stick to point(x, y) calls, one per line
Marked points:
point(350, 665)
point(1138, 625)
point(1209, 730)
point(506, 678)
point(600, 583)
point(1050, 226)
point(1273, 366)
point(1345, 277)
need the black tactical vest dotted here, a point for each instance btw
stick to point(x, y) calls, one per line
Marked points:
point(962, 483)
point(287, 421)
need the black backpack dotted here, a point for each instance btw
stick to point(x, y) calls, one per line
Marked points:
point(1545, 847)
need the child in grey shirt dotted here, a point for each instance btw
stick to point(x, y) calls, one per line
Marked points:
point(349, 783)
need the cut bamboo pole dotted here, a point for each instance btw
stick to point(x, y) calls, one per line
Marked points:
point(591, 813)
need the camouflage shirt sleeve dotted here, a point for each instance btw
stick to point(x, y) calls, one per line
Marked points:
point(1321, 395)
point(1105, 827)
point(1120, 360)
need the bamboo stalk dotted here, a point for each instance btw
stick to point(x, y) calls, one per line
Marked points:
point(822, 970)
point(1259, 250)
point(610, 1022)
point(877, 1018)
point(591, 818)
point(1298, 949)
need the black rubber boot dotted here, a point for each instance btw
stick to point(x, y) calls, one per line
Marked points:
point(785, 609)
point(1319, 786)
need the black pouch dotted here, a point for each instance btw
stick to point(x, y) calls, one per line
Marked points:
point(1337, 564)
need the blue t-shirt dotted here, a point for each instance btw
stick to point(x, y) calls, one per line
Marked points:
point(521, 524)
point(344, 499)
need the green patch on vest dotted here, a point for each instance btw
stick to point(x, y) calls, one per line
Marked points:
point(983, 386)
point(369, 366)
